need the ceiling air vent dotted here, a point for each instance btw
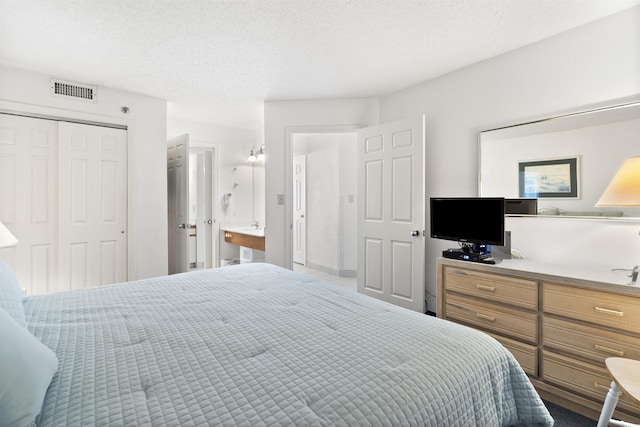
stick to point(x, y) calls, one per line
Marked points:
point(73, 90)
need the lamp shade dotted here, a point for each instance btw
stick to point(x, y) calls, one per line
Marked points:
point(6, 238)
point(624, 188)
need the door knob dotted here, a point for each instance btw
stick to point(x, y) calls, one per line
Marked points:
point(208, 221)
point(302, 216)
point(415, 233)
point(182, 225)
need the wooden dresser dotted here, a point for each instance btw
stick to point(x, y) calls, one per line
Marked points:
point(560, 323)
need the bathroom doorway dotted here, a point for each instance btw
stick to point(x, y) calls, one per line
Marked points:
point(324, 215)
point(203, 224)
point(192, 206)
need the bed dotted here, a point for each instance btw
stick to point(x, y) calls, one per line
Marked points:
point(259, 345)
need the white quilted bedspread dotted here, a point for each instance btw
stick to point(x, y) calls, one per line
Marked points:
point(257, 345)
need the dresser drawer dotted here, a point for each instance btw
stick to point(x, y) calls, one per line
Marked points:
point(498, 288)
point(587, 341)
point(584, 378)
point(490, 317)
point(598, 307)
point(525, 354)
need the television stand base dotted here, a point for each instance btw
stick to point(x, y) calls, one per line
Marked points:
point(465, 256)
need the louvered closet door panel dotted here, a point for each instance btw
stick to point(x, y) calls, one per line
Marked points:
point(93, 206)
point(28, 195)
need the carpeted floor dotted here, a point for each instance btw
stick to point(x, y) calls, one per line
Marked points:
point(566, 418)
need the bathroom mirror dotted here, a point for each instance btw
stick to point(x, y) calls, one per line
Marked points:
point(565, 161)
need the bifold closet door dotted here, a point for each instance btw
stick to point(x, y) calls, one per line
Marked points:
point(28, 199)
point(63, 194)
point(92, 214)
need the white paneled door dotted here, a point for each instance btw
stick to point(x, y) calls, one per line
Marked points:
point(28, 199)
point(299, 210)
point(391, 220)
point(92, 212)
point(63, 192)
point(178, 202)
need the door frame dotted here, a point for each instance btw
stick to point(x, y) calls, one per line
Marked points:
point(59, 114)
point(303, 231)
point(198, 144)
point(290, 131)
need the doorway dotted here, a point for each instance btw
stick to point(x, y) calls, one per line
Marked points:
point(202, 248)
point(324, 208)
point(390, 208)
point(191, 205)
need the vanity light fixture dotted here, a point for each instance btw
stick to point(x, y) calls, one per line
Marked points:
point(252, 155)
point(256, 154)
point(624, 190)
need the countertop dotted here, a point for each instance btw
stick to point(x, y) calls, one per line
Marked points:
point(250, 231)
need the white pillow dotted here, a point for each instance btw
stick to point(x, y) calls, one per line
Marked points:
point(26, 369)
point(11, 294)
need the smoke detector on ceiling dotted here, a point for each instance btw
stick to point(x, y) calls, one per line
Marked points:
point(65, 89)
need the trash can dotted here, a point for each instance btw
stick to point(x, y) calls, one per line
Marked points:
point(229, 261)
point(250, 255)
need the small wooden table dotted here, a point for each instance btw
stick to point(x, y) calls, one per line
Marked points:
point(626, 378)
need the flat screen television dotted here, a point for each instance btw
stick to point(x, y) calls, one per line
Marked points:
point(468, 220)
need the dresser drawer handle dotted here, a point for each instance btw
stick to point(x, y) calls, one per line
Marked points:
point(485, 317)
point(460, 272)
point(607, 311)
point(486, 288)
point(609, 350)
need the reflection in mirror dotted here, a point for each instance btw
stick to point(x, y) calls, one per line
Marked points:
point(566, 162)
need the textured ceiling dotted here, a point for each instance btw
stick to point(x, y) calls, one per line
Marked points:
point(217, 61)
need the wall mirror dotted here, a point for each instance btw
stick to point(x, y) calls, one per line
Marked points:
point(565, 161)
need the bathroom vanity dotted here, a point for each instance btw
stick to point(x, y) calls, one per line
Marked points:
point(249, 239)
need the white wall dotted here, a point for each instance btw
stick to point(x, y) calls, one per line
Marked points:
point(587, 65)
point(282, 118)
point(323, 202)
point(348, 154)
point(259, 180)
point(331, 217)
point(146, 122)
